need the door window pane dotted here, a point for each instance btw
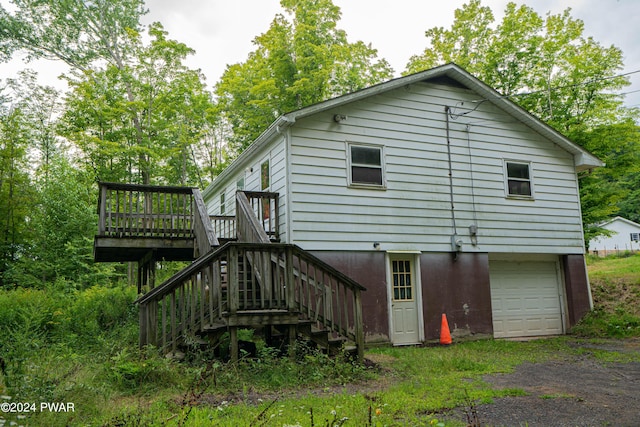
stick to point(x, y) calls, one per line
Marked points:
point(402, 280)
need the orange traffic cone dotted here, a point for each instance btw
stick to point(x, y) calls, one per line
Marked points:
point(445, 335)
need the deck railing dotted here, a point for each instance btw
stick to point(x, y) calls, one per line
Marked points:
point(225, 285)
point(224, 226)
point(134, 211)
point(248, 225)
point(131, 210)
point(266, 210)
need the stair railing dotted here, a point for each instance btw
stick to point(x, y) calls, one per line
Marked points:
point(202, 227)
point(248, 226)
point(251, 279)
point(265, 207)
point(215, 289)
point(329, 298)
point(185, 304)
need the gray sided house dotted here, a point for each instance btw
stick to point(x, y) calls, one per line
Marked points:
point(438, 195)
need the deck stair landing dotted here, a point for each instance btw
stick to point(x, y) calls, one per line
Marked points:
point(251, 281)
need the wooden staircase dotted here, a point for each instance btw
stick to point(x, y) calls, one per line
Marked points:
point(251, 281)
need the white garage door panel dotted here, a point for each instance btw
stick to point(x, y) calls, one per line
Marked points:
point(525, 298)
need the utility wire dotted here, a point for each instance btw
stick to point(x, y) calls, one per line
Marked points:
point(585, 83)
point(555, 88)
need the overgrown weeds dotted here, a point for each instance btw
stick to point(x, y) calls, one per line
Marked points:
point(80, 345)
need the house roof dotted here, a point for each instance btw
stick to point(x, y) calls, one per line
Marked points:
point(583, 159)
point(621, 219)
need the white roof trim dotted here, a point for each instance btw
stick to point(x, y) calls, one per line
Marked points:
point(621, 219)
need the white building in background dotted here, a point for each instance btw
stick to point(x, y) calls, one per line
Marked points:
point(625, 237)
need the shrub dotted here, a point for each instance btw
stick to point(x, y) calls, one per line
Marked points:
point(134, 371)
point(101, 309)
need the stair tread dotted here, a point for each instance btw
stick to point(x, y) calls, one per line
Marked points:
point(213, 326)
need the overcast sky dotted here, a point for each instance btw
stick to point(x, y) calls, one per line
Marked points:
point(221, 31)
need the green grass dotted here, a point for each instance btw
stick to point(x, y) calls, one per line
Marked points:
point(66, 345)
point(625, 268)
point(615, 287)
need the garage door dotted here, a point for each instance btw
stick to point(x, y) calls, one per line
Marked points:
point(525, 298)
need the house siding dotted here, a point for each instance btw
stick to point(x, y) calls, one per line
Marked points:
point(414, 211)
point(249, 169)
point(467, 305)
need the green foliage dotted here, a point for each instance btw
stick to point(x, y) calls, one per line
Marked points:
point(139, 123)
point(615, 287)
point(16, 191)
point(141, 372)
point(607, 190)
point(559, 75)
point(99, 308)
point(296, 63)
point(63, 221)
point(78, 33)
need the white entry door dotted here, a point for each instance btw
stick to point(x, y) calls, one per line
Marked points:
point(404, 296)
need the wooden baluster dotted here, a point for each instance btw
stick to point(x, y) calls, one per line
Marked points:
point(174, 326)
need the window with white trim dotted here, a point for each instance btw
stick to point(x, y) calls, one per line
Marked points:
point(223, 206)
point(518, 179)
point(366, 165)
point(635, 237)
point(264, 175)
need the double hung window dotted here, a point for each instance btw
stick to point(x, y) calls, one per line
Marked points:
point(518, 179)
point(366, 165)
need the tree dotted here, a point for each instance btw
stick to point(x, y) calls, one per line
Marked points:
point(40, 105)
point(556, 73)
point(15, 189)
point(80, 33)
point(63, 223)
point(296, 63)
point(613, 189)
point(545, 65)
point(142, 121)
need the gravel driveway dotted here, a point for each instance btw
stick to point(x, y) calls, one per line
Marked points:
point(584, 391)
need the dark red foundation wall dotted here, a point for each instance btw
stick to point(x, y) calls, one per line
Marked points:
point(576, 287)
point(368, 269)
point(457, 285)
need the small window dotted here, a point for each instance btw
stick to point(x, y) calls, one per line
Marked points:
point(366, 165)
point(240, 184)
point(519, 179)
point(264, 175)
point(635, 237)
point(222, 204)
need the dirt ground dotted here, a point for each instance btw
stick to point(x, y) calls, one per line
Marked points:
point(580, 392)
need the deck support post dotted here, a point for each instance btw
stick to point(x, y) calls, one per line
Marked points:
point(358, 324)
point(143, 337)
point(147, 272)
point(293, 334)
point(233, 338)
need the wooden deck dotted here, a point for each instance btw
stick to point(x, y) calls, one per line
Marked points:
point(251, 280)
point(136, 219)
